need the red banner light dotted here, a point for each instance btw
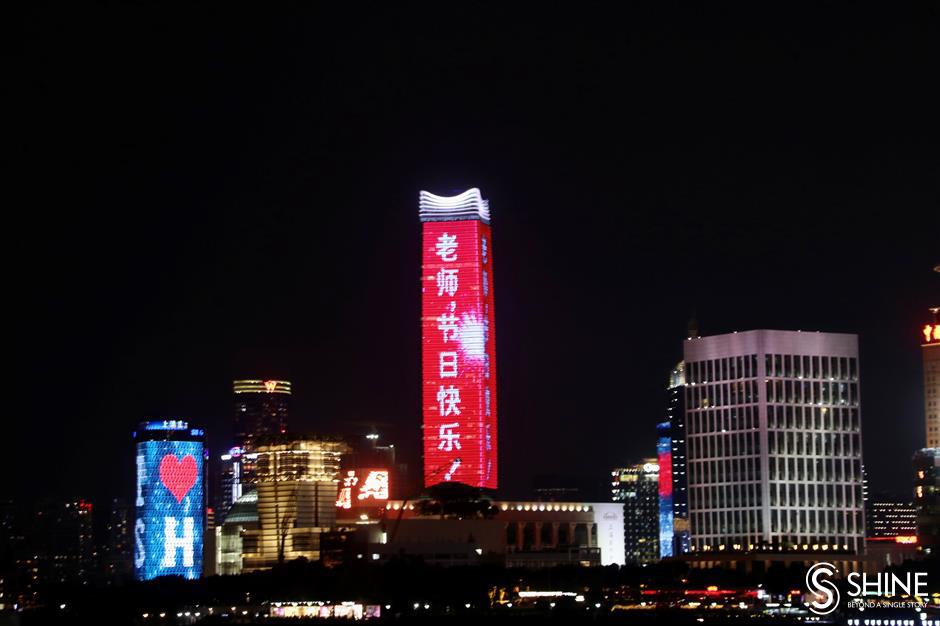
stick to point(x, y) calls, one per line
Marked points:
point(458, 354)
point(362, 487)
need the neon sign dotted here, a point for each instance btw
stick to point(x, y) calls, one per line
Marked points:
point(458, 342)
point(170, 505)
point(931, 333)
point(664, 458)
point(361, 486)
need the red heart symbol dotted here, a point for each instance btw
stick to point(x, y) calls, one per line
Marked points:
point(178, 476)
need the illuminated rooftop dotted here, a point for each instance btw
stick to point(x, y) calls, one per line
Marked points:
point(468, 205)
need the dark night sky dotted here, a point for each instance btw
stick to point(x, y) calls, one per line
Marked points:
point(197, 195)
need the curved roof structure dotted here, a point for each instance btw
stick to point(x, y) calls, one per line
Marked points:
point(468, 205)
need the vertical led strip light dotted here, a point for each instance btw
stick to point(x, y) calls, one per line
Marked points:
point(458, 340)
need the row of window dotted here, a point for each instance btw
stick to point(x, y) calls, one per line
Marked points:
point(739, 496)
point(824, 496)
point(726, 444)
point(811, 392)
point(803, 366)
point(814, 444)
point(721, 394)
point(736, 470)
point(814, 522)
point(728, 368)
point(813, 418)
point(775, 366)
point(720, 420)
point(789, 526)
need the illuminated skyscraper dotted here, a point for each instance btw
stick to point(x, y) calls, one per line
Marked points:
point(458, 341)
point(675, 412)
point(261, 408)
point(930, 347)
point(297, 484)
point(927, 461)
point(774, 442)
point(170, 505)
point(637, 487)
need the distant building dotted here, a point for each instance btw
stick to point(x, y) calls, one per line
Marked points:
point(117, 557)
point(675, 414)
point(637, 487)
point(237, 535)
point(236, 477)
point(927, 497)
point(261, 410)
point(297, 486)
point(774, 444)
point(930, 348)
point(61, 538)
point(509, 533)
point(887, 517)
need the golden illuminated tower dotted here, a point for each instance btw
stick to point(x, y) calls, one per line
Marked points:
point(297, 482)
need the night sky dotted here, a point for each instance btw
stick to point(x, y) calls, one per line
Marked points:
point(206, 194)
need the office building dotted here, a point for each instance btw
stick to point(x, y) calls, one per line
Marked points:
point(675, 415)
point(889, 517)
point(774, 444)
point(297, 488)
point(261, 410)
point(637, 488)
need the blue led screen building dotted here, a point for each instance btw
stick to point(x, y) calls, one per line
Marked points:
point(664, 458)
point(171, 502)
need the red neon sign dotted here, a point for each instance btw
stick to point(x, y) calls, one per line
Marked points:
point(458, 354)
point(363, 487)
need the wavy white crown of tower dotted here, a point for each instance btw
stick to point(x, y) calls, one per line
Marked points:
point(467, 206)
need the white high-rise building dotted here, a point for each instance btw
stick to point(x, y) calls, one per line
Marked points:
point(774, 443)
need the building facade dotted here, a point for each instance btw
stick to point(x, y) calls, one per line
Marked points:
point(675, 414)
point(930, 348)
point(261, 410)
point(510, 533)
point(297, 486)
point(774, 443)
point(170, 503)
point(637, 488)
point(458, 341)
point(888, 517)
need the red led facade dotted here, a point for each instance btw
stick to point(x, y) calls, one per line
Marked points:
point(458, 354)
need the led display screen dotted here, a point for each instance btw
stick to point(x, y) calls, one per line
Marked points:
point(363, 487)
point(458, 354)
point(664, 455)
point(170, 508)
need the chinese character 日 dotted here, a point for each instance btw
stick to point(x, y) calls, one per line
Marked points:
point(447, 364)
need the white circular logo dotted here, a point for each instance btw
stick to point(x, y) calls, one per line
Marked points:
point(826, 592)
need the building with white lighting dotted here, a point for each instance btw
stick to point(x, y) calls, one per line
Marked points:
point(510, 533)
point(774, 445)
